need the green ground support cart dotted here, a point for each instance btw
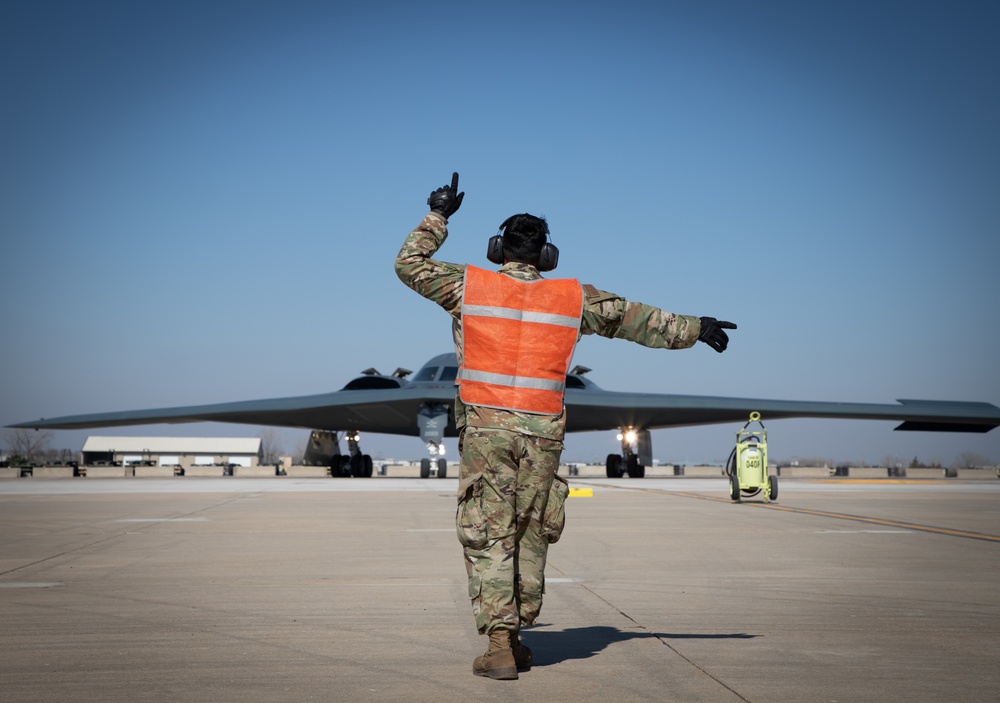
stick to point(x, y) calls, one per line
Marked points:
point(747, 465)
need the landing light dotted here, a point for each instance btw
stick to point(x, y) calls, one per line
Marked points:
point(630, 436)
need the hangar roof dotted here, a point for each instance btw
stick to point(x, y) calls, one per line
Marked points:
point(174, 445)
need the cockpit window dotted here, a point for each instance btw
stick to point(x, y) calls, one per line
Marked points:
point(575, 382)
point(449, 373)
point(426, 374)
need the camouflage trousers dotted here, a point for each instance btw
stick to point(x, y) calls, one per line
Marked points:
point(511, 507)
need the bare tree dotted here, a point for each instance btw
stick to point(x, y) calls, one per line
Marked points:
point(272, 445)
point(971, 460)
point(27, 445)
point(63, 455)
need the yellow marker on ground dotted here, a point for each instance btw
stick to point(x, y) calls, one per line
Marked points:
point(581, 492)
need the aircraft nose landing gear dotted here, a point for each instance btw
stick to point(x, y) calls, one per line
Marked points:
point(432, 418)
point(440, 463)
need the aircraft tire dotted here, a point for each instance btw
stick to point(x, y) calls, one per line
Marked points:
point(337, 467)
point(425, 468)
point(369, 466)
point(772, 487)
point(635, 470)
point(614, 466)
point(357, 466)
point(442, 468)
point(734, 487)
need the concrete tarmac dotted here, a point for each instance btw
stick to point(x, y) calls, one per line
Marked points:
point(285, 589)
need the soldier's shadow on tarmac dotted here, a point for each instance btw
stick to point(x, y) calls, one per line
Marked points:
point(552, 647)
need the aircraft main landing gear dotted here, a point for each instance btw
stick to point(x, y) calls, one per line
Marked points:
point(627, 462)
point(355, 464)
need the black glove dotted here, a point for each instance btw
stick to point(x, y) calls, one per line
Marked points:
point(713, 334)
point(446, 200)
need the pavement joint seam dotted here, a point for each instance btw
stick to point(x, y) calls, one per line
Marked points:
point(666, 644)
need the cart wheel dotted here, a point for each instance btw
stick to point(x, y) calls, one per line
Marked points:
point(772, 487)
point(734, 487)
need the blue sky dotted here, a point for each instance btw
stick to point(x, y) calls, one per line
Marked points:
point(201, 202)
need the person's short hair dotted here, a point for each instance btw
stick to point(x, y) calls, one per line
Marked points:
point(524, 236)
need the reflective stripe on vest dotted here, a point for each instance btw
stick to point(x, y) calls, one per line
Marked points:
point(518, 339)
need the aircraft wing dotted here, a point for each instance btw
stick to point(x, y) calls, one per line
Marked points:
point(384, 404)
point(394, 411)
point(602, 410)
point(389, 411)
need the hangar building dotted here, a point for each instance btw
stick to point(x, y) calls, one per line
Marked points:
point(172, 451)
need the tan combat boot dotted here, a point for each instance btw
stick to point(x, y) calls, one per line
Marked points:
point(498, 662)
point(522, 655)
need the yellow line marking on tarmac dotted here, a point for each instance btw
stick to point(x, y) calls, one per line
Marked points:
point(827, 514)
point(581, 492)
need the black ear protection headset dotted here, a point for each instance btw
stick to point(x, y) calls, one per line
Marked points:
point(548, 258)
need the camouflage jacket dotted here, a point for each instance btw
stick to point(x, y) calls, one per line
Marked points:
point(604, 313)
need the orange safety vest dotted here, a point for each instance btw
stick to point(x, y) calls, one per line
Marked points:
point(518, 339)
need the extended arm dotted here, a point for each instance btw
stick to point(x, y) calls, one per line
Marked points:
point(610, 315)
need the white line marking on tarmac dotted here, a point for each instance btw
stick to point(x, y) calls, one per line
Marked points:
point(21, 584)
point(163, 519)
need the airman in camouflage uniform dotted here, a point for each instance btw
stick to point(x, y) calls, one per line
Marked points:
point(510, 500)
